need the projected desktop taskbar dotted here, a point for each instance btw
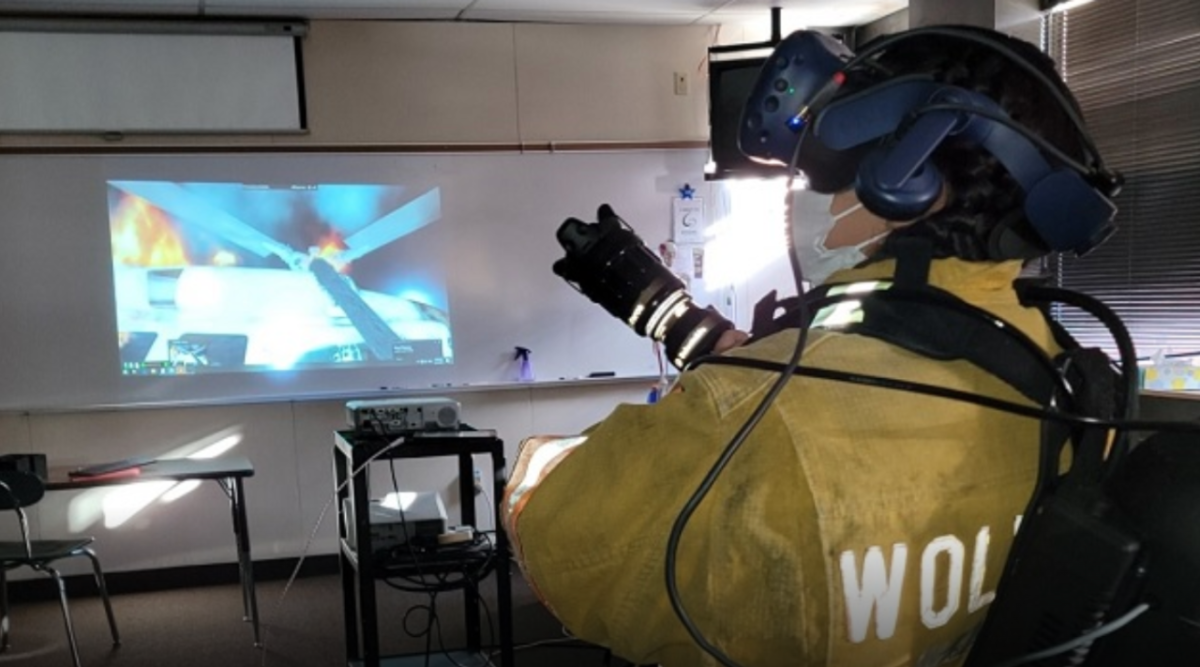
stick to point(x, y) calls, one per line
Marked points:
point(173, 368)
point(141, 368)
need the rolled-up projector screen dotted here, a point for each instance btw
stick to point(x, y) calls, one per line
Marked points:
point(120, 82)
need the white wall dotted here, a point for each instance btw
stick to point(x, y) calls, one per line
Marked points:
point(373, 83)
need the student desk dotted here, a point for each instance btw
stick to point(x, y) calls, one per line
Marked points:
point(226, 471)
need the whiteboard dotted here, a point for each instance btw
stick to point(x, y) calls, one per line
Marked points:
point(495, 245)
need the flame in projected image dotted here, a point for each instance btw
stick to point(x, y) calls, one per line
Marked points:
point(330, 248)
point(142, 235)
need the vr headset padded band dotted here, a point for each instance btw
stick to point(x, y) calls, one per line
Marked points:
point(886, 133)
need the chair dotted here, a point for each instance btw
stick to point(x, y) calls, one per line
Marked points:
point(19, 490)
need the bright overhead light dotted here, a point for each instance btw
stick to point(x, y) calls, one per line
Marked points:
point(751, 234)
point(1056, 6)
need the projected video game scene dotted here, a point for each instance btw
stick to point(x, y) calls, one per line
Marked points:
point(233, 277)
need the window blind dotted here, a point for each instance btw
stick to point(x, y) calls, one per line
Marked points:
point(1134, 65)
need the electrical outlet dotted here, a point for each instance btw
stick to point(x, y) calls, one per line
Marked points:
point(478, 481)
point(729, 303)
point(681, 83)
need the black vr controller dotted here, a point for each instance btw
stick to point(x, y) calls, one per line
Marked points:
point(608, 262)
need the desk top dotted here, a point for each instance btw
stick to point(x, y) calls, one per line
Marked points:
point(162, 469)
point(359, 446)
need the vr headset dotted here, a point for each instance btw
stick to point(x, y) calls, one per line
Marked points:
point(880, 138)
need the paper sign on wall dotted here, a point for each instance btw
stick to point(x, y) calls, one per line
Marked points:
point(688, 217)
point(698, 261)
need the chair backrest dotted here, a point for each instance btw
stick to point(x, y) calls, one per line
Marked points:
point(19, 489)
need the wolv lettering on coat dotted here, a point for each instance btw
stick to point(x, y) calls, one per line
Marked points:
point(876, 591)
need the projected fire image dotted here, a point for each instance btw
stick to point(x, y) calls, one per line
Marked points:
point(221, 277)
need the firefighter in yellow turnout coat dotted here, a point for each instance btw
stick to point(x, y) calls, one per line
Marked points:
point(856, 526)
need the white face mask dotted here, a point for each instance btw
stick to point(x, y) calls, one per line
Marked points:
point(813, 222)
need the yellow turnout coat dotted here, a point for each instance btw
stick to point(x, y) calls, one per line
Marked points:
point(856, 527)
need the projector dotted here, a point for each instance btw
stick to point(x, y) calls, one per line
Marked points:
point(416, 517)
point(403, 415)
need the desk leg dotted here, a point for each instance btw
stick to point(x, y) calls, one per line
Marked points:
point(466, 489)
point(343, 489)
point(245, 562)
point(350, 607)
point(504, 564)
point(369, 619)
point(4, 621)
point(367, 633)
point(504, 594)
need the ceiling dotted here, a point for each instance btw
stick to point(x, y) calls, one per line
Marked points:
point(795, 13)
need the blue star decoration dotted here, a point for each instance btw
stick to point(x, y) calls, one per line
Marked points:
point(686, 192)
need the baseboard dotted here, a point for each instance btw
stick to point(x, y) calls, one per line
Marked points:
point(191, 576)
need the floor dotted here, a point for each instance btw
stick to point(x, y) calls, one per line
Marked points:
point(301, 626)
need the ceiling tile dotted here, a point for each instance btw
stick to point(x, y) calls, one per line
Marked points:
point(346, 9)
point(551, 16)
point(646, 12)
point(796, 14)
point(690, 7)
point(350, 5)
point(123, 7)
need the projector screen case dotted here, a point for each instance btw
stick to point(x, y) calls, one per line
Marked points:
point(122, 82)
